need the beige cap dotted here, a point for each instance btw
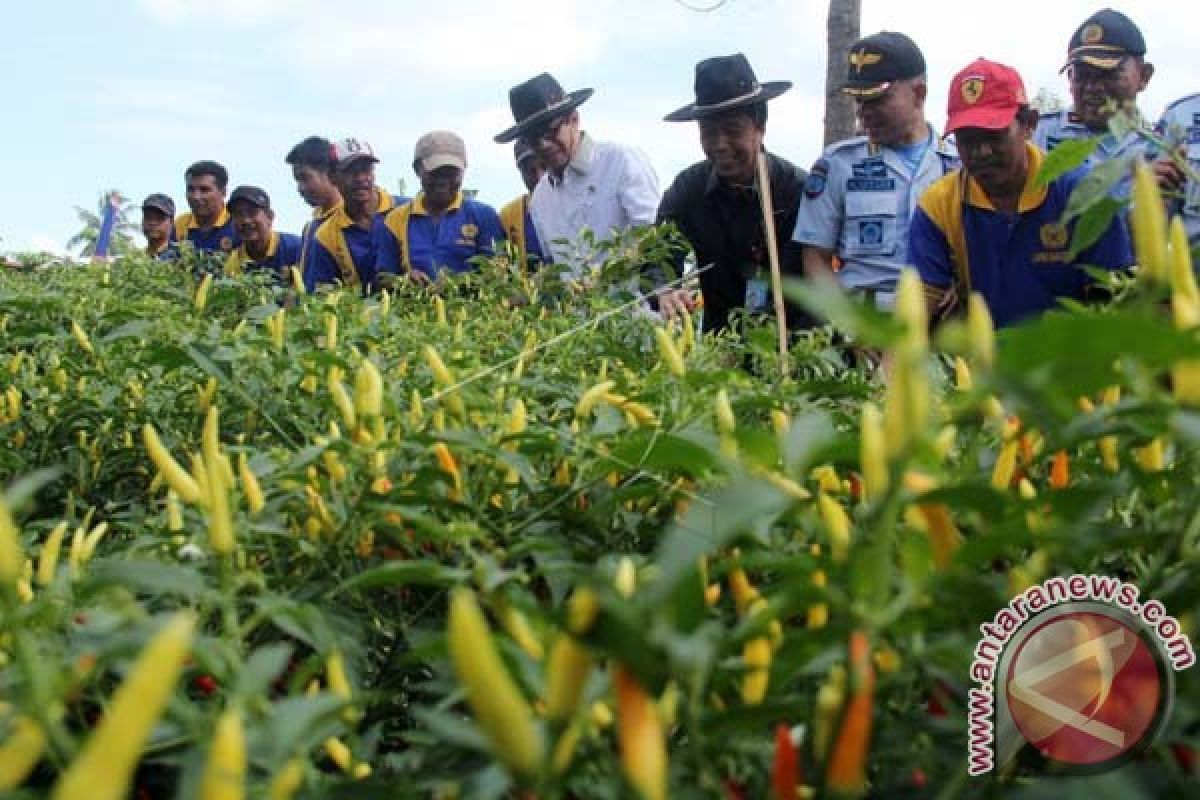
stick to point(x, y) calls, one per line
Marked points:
point(440, 149)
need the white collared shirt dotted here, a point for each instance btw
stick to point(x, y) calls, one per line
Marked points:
point(606, 187)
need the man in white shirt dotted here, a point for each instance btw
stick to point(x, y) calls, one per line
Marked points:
point(593, 185)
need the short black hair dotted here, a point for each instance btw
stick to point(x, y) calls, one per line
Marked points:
point(315, 152)
point(208, 168)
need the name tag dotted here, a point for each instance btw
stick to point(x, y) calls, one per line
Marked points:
point(871, 185)
point(870, 169)
point(1193, 136)
point(757, 293)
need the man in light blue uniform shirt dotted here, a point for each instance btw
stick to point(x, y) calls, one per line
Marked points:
point(1180, 126)
point(1106, 70)
point(860, 195)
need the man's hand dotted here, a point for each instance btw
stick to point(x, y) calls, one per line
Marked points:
point(673, 303)
point(1169, 175)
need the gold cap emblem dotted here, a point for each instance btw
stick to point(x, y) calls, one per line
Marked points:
point(1092, 34)
point(862, 58)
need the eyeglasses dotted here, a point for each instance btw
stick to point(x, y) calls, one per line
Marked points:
point(548, 131)
point(1084, 74)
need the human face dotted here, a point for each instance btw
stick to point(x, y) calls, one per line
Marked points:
point(1100, 93)
point(555, 142)
point(731, 142)
point(253, 224)
point(531, 170)
point(316, 187)
point(156, 226)
point(440, 186)
point(996, 159)
point(356, 182)
point(205, 198)
point(890, 118)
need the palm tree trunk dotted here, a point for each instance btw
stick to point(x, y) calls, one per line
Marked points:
point(842, 31)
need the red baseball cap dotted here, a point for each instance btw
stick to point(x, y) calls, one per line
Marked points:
point(985, 95)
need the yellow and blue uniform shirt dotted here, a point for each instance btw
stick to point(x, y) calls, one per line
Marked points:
point(283, 252)
point(858, 200)
point(1020, 263)
point(343, 251)
point(1180, 126)
point(518, 226)
point(1062, 126)
point(220, 238)
point(412, 239)
point(309, 233)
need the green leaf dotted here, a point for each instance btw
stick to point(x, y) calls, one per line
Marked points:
point(404, 573)
point(150, 577)
point(1065, 157)
point(1094, 223)
point(262, 667)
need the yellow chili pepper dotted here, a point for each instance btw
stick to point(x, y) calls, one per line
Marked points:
point(342, 402)
point(81, 337)
point(723, 413)
point(818, 613)
point(566, 673)
point(497, 703)
point(201, 297)
point(20, 753)
point(517, 626)
point(175, 475)
point(1006, 465)
point(669, 354)
point(837, 525)
point(368, 390)
point(250, 488)
point(339, 754)
point(331, 331)
point(937, 522)
point(640, 737)
point(206, 394)
point(104, 768)
point(224, 775)
point(872, 455)
point(756, 655)
point(962, 374)
point(48, 559)
point(11, 557)
point(626, 578)
point(981, 332)
point(220, 523)
point(1149, 225)
point(445, 460)
point(297, 280)
point(1151, 457)
point(287, 781)
point(590, 398)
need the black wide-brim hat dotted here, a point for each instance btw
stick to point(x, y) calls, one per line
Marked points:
point(536, 102)
point(726, 83)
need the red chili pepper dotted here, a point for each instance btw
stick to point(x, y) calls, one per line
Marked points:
point(734, 790)
point(918, 778)
point(855, 486)
point(1060, 471)
point(785, 775)
point(205, 684)
point(1185, 756)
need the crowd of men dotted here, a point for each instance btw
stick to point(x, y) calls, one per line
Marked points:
point(961, 206)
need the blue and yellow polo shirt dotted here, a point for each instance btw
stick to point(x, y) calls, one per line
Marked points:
point(1020, 263)
point(283, 252)
point(220, 238)
point(518, 226)
point(342, 251)
point(309, 233)
point(414, 240)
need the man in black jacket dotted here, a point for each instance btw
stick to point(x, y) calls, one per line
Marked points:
point(715, 203)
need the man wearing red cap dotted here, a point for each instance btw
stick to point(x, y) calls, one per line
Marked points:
point(989, 227)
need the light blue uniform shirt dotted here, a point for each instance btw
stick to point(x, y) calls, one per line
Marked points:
point(1061, 126)
point(858, 202)
point(1180, 126)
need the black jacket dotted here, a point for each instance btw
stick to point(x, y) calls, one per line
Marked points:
point(724, 226)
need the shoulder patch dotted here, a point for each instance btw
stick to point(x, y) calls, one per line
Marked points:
point(814, 184)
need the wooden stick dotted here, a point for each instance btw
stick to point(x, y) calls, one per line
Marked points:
point(768, 212)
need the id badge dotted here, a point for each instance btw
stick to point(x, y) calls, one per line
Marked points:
point(757, 294)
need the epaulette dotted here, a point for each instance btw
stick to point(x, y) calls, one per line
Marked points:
point(846, 144)
point(1182, 100)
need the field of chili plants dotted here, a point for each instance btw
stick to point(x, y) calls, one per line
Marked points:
point(500, 540)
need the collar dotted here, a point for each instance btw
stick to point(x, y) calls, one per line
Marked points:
point(326, 213)
point(194, 224)
point(272, 248)
point(1032, 195)
point(581, 162)
point(342, 219)
point(418, 206)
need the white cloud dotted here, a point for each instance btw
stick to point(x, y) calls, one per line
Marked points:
point(231, 13)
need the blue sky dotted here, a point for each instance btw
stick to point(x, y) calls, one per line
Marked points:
point(126, 94)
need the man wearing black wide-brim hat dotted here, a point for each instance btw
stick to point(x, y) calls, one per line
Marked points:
point(600, 186)
point(715, 203)
point(861, 194)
